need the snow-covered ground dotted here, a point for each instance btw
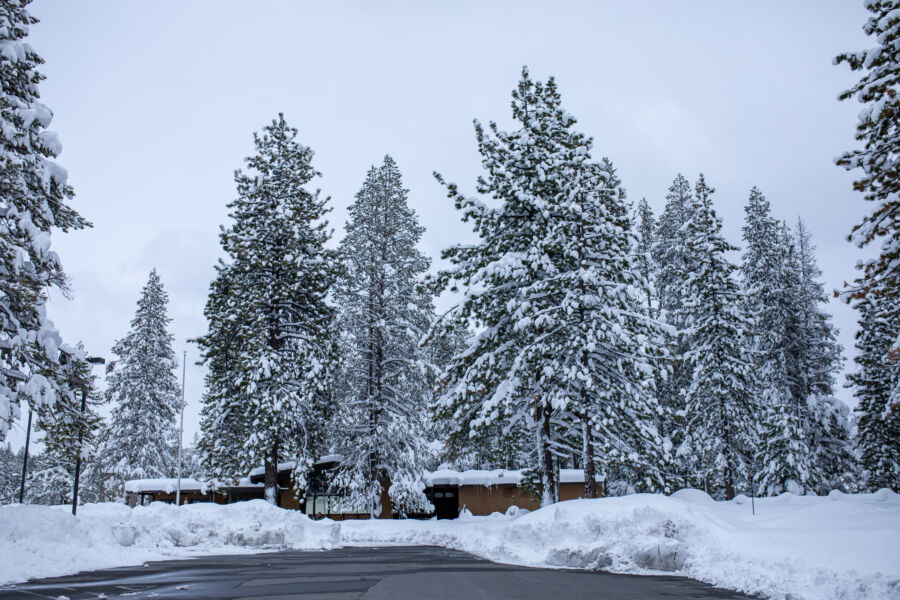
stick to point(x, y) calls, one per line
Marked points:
point(840, 546)
point(45, 541)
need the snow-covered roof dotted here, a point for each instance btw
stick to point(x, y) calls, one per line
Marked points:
point(289, 465)
point(329, 458)
point(245, 482)
point(492, 477)
point(168, 485)
point(284, 466)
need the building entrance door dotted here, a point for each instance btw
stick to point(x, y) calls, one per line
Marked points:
point(446, 502)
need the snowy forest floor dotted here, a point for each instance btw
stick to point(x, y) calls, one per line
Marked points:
point(840, 546)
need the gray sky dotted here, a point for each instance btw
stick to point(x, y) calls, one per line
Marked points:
point(155, 103)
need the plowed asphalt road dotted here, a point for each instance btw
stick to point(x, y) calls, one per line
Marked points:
point(395, 573)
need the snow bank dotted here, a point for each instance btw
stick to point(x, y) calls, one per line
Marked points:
point(797, 547)
point(45, 541)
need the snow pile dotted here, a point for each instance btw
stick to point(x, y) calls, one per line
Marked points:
point(799, 547)
point(45, 541)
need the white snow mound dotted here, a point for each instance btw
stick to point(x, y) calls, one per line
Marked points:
point(46, 541)
point(798, 547)
point(841, 546)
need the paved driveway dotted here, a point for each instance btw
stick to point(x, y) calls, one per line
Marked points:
point(388, 573)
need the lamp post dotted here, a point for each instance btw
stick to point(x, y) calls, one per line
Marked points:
point(94, 360)
point(181, 430)
point(25, 457)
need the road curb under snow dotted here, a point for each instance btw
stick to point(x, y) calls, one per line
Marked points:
point(840, 546)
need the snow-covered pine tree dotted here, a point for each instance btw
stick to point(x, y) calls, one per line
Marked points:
point(820, 355)
point(771, 283)
point(672, 270)
point(646, 241)
point(223, 423)
point(831, 440)
point(384, 313)
point(34, 200)
point(552, 287)
point(876, 292)
point(274, 314)
point(876, 377)
point(819, 358)
point(10, 473)
point(603, 345)
point(722, 416)
point(141, 384)
point(67, 433)
point(879, 129)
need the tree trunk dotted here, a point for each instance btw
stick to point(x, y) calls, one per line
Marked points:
point(729, 484)
point(271, 477)
point(590, 480)
point(549, 480)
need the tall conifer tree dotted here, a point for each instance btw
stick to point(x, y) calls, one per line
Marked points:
point(879, 130)
point(34, 199)
point(771, 276)
point(273, 319)
point(876, 292)
point(878, 436)
point(552, 284)
point(139, 441)
point(672, 271)
point(385, 311)
point(722, 416)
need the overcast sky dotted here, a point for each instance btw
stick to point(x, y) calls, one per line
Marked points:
point(156, 102)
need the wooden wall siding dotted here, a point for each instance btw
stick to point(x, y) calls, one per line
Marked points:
point(287, 499)
point(186, 497)
point(482, 500)
point(571, 491)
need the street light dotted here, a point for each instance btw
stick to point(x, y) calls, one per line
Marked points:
point(25, 457)
point(94, 360)
point(181, 430)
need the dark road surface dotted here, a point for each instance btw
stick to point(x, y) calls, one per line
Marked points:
point(393, 573)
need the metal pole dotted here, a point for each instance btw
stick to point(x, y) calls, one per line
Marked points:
point(78, 458)
point(93, 360)
point(181, 430)
point(25, 458)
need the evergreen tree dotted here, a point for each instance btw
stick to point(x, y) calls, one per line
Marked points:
point(771, 273)
point(831, 441)
point(722, 417)
point(10, 474)
point(70, 434)
point(672, 270)
point(876, 292)
point(646, 241)
point(879, 129)
point(819, 358)
point(385, 311)
point(140, 439)
point(270, 340)
point(222, 420)
point(552, 286)
point(34, 200)
point(878, 428)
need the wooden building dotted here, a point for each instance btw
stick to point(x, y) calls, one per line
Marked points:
point(143, 491)
point(451, 492)
point(487, 492)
